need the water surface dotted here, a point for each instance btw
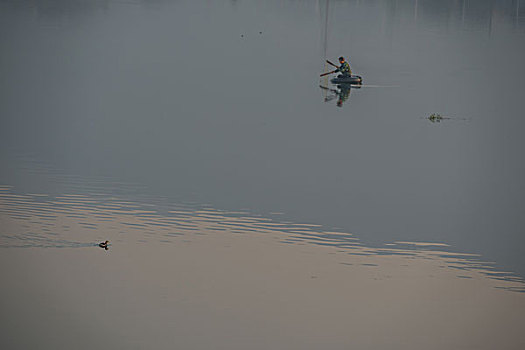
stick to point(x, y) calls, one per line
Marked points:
point(153, 123)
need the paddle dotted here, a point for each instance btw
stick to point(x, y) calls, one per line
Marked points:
point(332, 64)
point(322, 75)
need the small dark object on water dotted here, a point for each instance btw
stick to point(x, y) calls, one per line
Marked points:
point(436, 118)
point(260, 32)
point(242, 35)
point(104, 245)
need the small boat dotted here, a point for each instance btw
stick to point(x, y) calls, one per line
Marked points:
point(352, 79)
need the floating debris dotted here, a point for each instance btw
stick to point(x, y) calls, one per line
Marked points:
point(436, 118)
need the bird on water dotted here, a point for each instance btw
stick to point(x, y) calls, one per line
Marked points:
point(104, 245)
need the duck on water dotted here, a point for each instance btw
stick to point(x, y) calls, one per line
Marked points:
point(104, 245)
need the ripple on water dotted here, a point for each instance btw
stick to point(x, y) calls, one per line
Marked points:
point(76, 221)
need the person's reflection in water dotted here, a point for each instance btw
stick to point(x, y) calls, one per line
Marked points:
point(342, 93)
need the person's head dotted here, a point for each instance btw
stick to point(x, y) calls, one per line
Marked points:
point(341, 59)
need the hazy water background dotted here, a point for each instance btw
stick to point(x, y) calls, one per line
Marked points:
point(217, 103)
point(170, 96)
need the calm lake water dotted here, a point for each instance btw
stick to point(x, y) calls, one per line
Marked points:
point(249, 203)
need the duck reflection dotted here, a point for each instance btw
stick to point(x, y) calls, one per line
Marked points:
point(341, 93)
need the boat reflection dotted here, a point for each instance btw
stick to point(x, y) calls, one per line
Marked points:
point(341, 93)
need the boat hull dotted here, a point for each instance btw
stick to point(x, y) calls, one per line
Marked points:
point(353, 79)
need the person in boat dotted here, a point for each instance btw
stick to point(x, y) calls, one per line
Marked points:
point(344, 69)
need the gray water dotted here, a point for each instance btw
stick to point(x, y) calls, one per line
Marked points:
point(189, 99)
point(218, 104)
